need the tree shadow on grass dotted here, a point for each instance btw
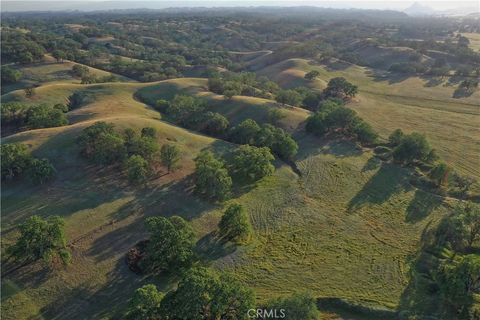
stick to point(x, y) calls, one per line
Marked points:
point(372, 164)
point(109, 301)
point(211, 247)
point(390, 77)
point(422, 205)
point(387, 181)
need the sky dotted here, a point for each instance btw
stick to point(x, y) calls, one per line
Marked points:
point(439, 5)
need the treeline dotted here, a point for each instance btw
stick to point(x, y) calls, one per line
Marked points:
point(18, 116)
point(191, 112)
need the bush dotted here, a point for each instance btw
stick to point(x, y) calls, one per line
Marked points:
point(41, 239)
point(79, 99)
point(365, 133)
point(275, 115)
point(10, 75)
point(149, 132)
point(171, 244)
point(44, 116)
point(145, 303)
point(439, 174)
point(15, 159)
point(290, 97)
point(245, 132)
point(80, 71)
point(340, 88)
point(40, 171)
point(205, 294)
point(235, 225)
point(312, 75)
point(298, 306)
point(253, 163)
point(316, 124)
point(396, 137)
point(211, 178)
point(169, 155)
point(101, 144)
point(413, 147)
point(215, 123)
point(137, 169)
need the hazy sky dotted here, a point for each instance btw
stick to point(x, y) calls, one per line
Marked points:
point(372, 4)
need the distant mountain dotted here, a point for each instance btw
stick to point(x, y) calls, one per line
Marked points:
point(418, 9)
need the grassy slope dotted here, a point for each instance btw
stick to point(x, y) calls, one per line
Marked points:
point(49, 71)
point(344, 229)
point(412, 104)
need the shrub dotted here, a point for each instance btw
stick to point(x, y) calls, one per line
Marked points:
point(101, 144)
point(396, 137)
point(205, 294)
point(290, 97)
point(10, 75)
point(312, 75)
point(137, 169)
point(170, 155)
point(253, 163)
point(149, 132)
point(145, 303)
point(211, 178)
point(439, 174)
point(235, 225)
point(40, 171)
point(365, 133)
point(297, 306)
point(44, 116)
point(15, 159)
point(245, 132)
point(215, 123)
point(413, 147)
point(171, 244)
point(41, 239)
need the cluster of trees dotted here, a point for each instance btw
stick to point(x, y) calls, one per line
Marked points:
point(191, 112)
point(10, 75)
point(18, 115)
point(204, 294)
point(18, 162)
point(458, 276)
point(213, 179)
point(138, 151)
point(332, 117)
point(267, 135)
point(232, 84)
point(20, 47)
point(40, 239)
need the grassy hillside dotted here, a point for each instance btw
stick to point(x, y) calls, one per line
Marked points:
point(49, 71)
point(348, 227)
point(409, 103)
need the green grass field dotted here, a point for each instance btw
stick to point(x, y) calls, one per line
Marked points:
point(348, 227)
point(450, 124)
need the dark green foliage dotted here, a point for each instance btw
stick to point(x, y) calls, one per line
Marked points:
point(290, 97)
point(365, 133)
point(137, 169)
point(149, 132)
point(297, 306)
point(311, 101)
point(461, 230)
point(15, 160)
point(211, 177)
point(396, 137)
point(40, 171)
point(275, 115)
point(312, 75)
point(59, 55)
point(235, 224)
point(171, 244)
point(144, 146)
point(169, 155)
point(204, 294)
point(79, 99)
point(316, 124)
point(186, 111)
point(80, 71)
point(459, 280)
point(41, 239)
point(14, 113)
point(101, 144)
point(162, 105)
point(215, 123)
point(340, 88)
point(245, 132)
point(10, 75)
point(145, 304)
point(439, 174)
point(44, 116)
point(413, 147)
point(253, 163)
